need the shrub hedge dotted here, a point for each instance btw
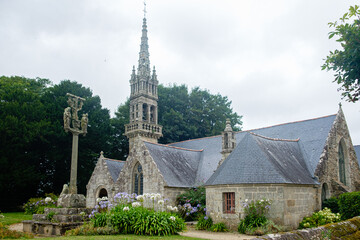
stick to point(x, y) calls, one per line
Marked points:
point(349, 205)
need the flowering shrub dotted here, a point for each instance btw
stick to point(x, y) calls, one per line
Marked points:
point(145, 214)
point(254, 214)
point(37, 205)
point(192, 203)
point(319, 218)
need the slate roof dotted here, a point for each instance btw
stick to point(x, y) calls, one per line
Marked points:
point(312, 135)
point(177, 165)
point(114, 167)
point(263, 160)
point(357, 151)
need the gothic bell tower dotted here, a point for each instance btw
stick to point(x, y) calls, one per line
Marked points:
point(143, 98)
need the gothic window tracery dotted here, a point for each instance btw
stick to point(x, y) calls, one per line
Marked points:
point(342, 175)
point(138, 179)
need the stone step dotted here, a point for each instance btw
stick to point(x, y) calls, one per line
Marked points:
point(48, 228)
point(67, 211)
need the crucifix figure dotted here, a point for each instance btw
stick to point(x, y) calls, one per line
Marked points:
point(76, 127)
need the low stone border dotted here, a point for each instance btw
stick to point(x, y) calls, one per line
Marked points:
point(349, 229)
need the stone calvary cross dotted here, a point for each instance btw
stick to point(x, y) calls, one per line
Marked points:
point(69, 197)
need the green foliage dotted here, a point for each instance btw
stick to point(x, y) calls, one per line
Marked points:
point(346, 62)
point(320, 218)
point(37, 205)
point(140, 221)
point(10, 234)
point(194, 196)
point(204, 223)
point(50, 216)
point(219, 227)
point(192, 203)
point(255, 212)
point(331, 203)
point(88, 229)
point(266, 228)
point(35, 150)
point(349, 205)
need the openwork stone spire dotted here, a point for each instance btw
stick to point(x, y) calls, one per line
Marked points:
point(228, 141)
point(143, 97)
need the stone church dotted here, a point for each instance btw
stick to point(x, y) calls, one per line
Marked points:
point(297, 165)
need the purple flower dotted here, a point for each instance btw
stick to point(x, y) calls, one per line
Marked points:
point(206, 218)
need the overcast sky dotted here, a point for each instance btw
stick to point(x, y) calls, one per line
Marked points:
point(264, 55)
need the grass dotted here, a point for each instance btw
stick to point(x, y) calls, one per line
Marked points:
point(123, 237)
point(14, 217)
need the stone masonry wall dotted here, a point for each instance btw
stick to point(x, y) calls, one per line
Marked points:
point(172, 192)
point(328, 168)
point(290, 202)
point(153, 179)
point(99, 179)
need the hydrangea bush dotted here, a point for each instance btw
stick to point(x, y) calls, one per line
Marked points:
point(37, 205)
point(192, 203)
point(319, 218)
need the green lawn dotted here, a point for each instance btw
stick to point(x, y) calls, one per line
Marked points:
point(14, 217)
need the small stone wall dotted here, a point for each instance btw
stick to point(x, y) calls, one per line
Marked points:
point(349, 229)
point(290, 202)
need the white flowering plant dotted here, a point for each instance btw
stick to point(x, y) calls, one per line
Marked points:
point(129, 213)
point(320, 218)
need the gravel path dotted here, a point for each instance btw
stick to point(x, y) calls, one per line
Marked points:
point(191, 232)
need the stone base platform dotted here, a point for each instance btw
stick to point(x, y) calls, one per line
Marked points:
point(63, 219)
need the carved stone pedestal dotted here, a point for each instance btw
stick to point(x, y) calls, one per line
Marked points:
point(72, 201)
point(61, 220)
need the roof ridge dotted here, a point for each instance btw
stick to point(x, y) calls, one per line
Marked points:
point(255, 129)
point(114, 160)
point(288, 123)
point(193, 139)
point(275, 139)
point(180, 148)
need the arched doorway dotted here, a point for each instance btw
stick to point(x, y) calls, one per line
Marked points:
point(103, 193)
point(324, 193)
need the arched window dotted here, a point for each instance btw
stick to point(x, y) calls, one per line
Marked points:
point(103, 193)
point(324, 193)
point(342, 176)
point(138, 179)
point(145, 112)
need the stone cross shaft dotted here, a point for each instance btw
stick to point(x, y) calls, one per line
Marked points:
point(73, 124)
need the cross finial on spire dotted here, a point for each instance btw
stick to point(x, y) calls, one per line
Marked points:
point(144, 9)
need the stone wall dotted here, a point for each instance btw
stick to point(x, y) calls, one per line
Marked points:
point(328, 168)
point(172, 192)
point(290, 202)
point(153, 179)
point(99, 179)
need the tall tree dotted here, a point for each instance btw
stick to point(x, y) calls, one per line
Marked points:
point(58, 160)
point(346, 62)
point(23, 127)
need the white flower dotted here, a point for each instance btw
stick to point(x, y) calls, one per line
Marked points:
point(175, 209)
point(158, 195)
point(161, 202)
point(246, 200)
point(136, 204)
point(104, 199)
point(172, 218)
point(98, 199)
point(126, 209)
point(48, 199)
point(169, 208)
